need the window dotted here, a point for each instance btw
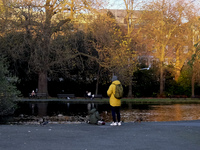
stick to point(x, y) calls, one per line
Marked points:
point(154, 49)
point(167, 47)
point(144, 61)
point(166, 61)
point(144, 47)
point(185, 37)
point(154, 62)
point(185, 49)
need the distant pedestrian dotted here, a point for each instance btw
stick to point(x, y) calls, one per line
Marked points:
point(114, 102)
point(89, 94)
point(33, 93)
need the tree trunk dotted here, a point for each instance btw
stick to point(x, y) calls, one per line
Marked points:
point(177, 75)
point(192, 82)
point(97, 83)
point(97, 86)
point(161, 79)
point(177, 64)
point(42, 82)
point(130, 94)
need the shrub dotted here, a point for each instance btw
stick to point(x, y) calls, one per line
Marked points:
point(8, 90)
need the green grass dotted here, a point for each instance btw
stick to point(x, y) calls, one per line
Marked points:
point(129, 100)
point(161, 100)
point(155, 100)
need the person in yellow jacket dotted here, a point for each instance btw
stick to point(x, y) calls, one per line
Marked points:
point(114, 102)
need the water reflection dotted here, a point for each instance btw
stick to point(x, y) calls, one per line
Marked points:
point(42, 109)
point(175, 112)
point(129, 112)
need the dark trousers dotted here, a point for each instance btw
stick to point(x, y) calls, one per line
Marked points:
point(115, 110)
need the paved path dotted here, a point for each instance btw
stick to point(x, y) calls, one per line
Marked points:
point(184, 135)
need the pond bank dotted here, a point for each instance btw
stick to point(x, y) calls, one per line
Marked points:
point(80, 100)
point(74, 111)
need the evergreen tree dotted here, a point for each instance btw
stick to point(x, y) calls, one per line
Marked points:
point(8, 90)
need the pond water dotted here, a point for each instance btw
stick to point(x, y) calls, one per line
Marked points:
point(129, 112)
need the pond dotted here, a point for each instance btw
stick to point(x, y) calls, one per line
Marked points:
point(129, 112)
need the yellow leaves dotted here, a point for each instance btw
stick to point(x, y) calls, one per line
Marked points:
point(2, 8)
point(124, 44)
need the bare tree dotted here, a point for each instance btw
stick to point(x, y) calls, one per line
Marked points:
point(163, 23)
point(115, 50)
point(42, 22)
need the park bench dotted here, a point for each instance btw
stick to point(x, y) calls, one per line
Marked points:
point(31, 96)
point(98, 96)
point(196, 96)
point(40, 95)
point(95, 96)
point(178, 96)
point(65, 95)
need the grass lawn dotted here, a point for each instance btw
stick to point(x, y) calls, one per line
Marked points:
point(126, 100)
point(156, 100)
point(162, 100)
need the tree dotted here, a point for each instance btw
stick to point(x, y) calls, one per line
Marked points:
point(195, 67)
point(194, 61)
point(42, 22)
point(115, 50)
point(146, 83)
point(100, 33)
point(183, 41)
point(162, 23)
point(131, 34)
point(8, 91)
point(88, 69)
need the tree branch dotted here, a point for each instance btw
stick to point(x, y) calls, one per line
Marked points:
point(60, 24)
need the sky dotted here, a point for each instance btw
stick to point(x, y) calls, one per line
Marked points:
point(119, 4)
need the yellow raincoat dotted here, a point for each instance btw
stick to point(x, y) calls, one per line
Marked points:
point(111, 91)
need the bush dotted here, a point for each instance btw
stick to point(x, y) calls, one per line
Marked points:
point(146, 83)
point(180, 87)
point(8, 91)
